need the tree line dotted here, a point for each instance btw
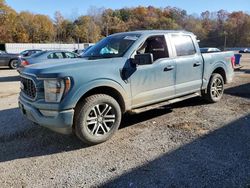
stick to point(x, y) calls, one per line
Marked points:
point(218, 29)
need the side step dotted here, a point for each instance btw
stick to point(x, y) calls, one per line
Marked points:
point(171, 101)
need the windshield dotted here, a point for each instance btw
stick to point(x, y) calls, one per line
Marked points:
point(112, 46)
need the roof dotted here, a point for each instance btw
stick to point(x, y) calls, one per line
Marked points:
point(150, 32)
point(49, 51)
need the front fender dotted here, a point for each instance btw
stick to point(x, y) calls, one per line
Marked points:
point(100, 83)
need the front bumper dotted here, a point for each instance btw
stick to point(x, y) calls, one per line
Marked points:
point(61, 121)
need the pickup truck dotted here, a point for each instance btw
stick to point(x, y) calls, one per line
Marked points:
point(125, 72)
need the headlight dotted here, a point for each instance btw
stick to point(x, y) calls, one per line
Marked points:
point(55, 89)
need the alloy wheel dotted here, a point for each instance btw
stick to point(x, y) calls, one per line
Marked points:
point(101, 119)
point(217, 88)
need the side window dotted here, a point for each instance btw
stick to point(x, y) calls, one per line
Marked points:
point(155, 45)
point(184, 45)
point(69, 55)
point(50, 56)
point(59, 55)
point(56, 55)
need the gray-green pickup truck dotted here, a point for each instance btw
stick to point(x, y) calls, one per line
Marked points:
point(125, 72)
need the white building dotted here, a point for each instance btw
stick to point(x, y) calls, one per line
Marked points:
point(18, 47)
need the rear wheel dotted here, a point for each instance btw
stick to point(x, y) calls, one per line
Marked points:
point(97, 118)
point(215, 88)
point(13, 64)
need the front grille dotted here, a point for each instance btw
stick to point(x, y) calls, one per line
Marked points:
point(28, 87)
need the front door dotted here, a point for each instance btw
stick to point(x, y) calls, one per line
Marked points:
point(155, 82)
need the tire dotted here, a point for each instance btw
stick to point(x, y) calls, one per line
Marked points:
point(97, 118)
point(215, 89)
point(13, 64)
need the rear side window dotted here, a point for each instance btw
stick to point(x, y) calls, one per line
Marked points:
point(69, 55)
point(184, 45)
point(56, 55)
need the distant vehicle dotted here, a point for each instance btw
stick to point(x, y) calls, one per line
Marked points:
point(27, 53)
point(209, 50)
point(11, 60)
point(246, 50)
point(7, 59)
point(125, 72)
point(45, 56)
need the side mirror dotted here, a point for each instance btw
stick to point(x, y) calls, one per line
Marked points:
point(143, 59)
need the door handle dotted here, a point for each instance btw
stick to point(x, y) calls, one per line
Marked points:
point(197, 64)
point(168, 68)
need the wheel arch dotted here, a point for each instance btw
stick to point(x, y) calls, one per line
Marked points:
point(220, 70)
point(108, 91)
point(103, 86)
point(12, 60)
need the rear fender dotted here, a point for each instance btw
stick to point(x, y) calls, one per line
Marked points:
point(208, 72)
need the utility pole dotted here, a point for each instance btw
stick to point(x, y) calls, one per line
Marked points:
point(78, 43)
point(225, 40)
point(107, 29)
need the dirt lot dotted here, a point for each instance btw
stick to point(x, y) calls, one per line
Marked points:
point(189, 144)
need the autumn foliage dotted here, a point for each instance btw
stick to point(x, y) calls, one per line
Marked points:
point(212, 28)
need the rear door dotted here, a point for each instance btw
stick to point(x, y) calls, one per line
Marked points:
point(189, 64)
point(155, 82)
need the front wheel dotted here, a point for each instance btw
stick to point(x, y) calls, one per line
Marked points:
point(97, 118)
point(215, 88)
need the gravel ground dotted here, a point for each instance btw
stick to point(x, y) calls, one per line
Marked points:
point(188, 144)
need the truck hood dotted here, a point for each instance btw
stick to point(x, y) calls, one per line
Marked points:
point(64, 67)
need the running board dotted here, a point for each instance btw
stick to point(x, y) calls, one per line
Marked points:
point(171, 101)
